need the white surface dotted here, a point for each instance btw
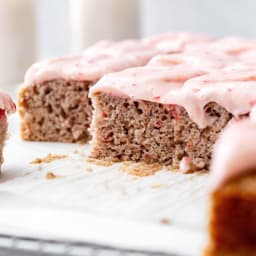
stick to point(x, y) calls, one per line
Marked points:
point(105, 206)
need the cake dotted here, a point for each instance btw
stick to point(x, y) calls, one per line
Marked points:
point(6, 107)
point(232, 226)
point(161, 99)
point(172, 110)
point(54, 104)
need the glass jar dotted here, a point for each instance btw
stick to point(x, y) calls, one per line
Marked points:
point(94, 20)
point(17, 39)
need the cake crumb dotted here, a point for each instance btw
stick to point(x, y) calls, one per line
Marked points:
point(186, 165)
point(89, 169)
point(125, 165)
point(106, 186)
point(80, 153)
point(165, 221)
point(49, 158)
point(141, 169)
point(39, 168)
point(99, 162)
point(51, 176)
point(172, 169)
point(157, 186)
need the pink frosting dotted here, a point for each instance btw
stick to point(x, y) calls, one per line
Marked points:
point(234, 89)
point(7, 106)
point(191, 81)
point(103, 58)
point(177, 42)
point(230, 45)
point(107, 56)
point(234, 153)
point(248, 57)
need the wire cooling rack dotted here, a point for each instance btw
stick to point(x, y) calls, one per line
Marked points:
point(23, 246)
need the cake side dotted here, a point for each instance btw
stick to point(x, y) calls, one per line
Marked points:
point(232, 225)
point(190, 98)
point(56, 110)
point(138, 130)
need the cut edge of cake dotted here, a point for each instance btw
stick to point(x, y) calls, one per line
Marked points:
point(56, 110)
point(125, 129)
point(232, 208)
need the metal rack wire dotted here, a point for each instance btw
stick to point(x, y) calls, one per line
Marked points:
point(23, 246)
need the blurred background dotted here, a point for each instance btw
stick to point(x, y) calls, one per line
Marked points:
point(36, 29)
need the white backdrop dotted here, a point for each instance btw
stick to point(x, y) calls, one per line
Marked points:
point(53, 28)
point(216, 17)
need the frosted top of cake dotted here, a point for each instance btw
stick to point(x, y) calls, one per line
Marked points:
point(6, 104)
point(229, 45)
point(103, 58)
point(191, 81)
point(108, 56)
point(234, 153)
point(177, 42)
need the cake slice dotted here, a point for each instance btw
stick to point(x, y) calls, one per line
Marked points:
point(169, 111)
point(54, 104)
point(6, 107)
point(232, 220)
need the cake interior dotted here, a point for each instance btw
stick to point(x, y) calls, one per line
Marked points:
point(232, 225)
point(3, 132)
point(124, 129)
point(56, 110)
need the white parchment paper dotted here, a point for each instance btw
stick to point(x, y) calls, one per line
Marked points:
point(100, 204)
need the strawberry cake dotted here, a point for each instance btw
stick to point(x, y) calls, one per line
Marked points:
point(54, 103)
point(172, 110)
point(7, 106)
point(232, 226)
point(162, 99)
